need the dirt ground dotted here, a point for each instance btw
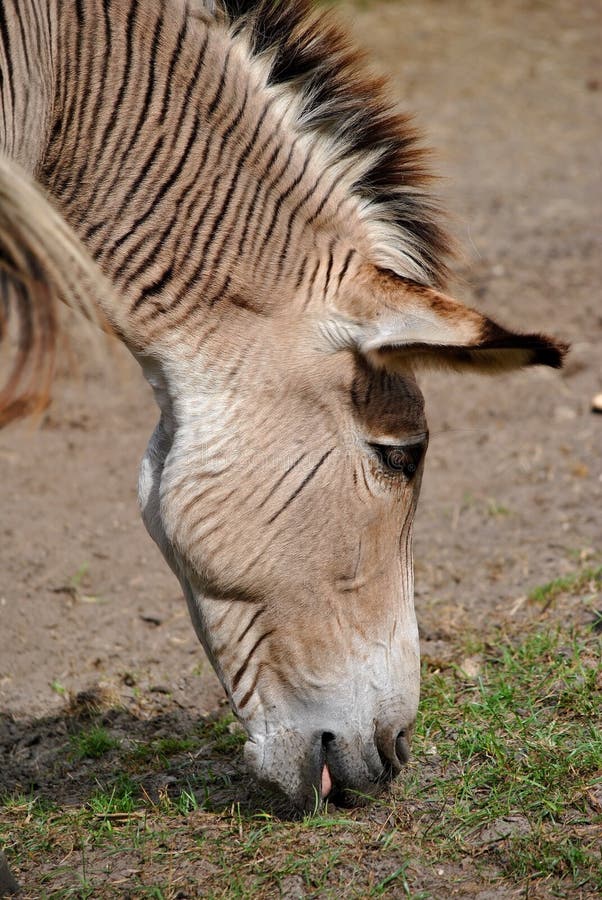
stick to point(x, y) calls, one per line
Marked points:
point(510, 96)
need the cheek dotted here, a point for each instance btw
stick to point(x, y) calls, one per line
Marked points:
point(261, 526)
point(212, 536)
point(374, 541)
point(256, 532)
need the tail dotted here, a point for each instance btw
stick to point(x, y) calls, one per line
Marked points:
point(42, 261)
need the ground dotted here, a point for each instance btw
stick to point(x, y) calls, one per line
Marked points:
point(510, 96)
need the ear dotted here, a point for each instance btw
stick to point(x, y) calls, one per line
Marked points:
point(410, 326)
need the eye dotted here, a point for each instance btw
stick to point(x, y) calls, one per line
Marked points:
point(400, 460)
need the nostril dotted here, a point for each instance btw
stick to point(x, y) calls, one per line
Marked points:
point(327, 738)
point(393, 744)
point(402, 746)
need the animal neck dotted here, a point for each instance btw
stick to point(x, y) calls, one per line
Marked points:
point(215, 165)
point(184, 170)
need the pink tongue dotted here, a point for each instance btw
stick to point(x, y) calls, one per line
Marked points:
point(326, 781)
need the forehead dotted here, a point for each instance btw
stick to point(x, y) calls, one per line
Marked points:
point(387, 404)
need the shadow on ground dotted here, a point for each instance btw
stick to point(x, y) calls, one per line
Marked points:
point(82, 758)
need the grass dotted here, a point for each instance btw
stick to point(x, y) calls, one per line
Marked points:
point(521, 747)
point(589, 579)
point(92, 744)
point(225, 735)
point(58, 688)
point(121, 799)
point(163, 748)
point(504, 793)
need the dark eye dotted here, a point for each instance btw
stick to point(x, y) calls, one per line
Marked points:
point(402, 460)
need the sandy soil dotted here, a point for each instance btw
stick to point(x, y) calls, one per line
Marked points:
point(510, 95)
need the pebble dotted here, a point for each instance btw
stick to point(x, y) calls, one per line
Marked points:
point(597, 403)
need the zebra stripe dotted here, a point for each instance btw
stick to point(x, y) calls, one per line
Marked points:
point(188, 146)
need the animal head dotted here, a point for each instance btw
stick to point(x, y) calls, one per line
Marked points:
point(283, 485)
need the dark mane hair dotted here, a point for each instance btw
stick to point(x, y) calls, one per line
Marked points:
point(342, 98)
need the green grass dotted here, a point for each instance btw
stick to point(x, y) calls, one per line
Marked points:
point(92, 744)
point(221, 736)
point(163, 748)
point(523, 742)
point(122, 798)
point(586, 580)
point(504, 791)
point(58, 688)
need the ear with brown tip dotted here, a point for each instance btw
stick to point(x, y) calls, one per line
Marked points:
point(419, 327)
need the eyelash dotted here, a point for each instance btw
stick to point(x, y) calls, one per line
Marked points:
point(400, 460)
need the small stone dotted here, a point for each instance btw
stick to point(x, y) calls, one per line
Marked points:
point(503, 828)
point(471, 667)
point(235, 728)
point(597, 403)
point(292, 887)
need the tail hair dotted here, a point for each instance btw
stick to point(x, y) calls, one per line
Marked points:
point(42, 261)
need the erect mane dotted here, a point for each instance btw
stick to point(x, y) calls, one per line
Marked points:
point(341, 98)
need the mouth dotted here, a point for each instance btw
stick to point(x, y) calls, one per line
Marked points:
point(333, 785)
point(326, 782)
point(310, 769)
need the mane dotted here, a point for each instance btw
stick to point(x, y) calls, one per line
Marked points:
point(343, 100)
